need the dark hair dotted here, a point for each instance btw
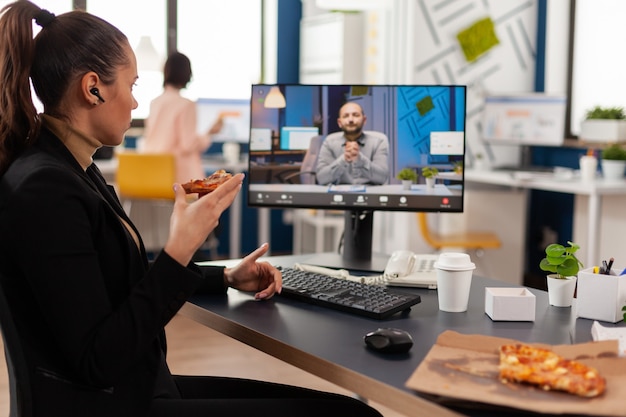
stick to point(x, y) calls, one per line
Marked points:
point(67, 47)
point(177, 70)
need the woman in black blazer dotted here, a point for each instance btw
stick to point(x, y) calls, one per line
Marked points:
point(90, 309)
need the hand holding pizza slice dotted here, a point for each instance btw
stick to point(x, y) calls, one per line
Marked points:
point(207, 185)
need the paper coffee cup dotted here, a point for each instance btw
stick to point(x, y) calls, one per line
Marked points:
point(454, 280)
point(588, 167)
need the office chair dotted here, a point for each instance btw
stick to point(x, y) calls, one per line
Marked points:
point(472, 240)
point(306, 173)
point(148, 178)
point(145, 176)
point(20, 394)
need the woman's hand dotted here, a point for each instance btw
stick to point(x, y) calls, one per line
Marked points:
point(192, 222)
point(217, 127)
point(251, 275)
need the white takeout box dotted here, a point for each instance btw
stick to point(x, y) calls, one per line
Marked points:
point(601, 297)
point(510, 304)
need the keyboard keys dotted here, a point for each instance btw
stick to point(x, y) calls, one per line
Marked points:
point(375, 301)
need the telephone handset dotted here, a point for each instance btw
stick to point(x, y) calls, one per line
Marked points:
point(400, 264)
point(404, 269)
point(408, 269)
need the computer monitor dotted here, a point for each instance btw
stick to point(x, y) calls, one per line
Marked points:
point(260, 139)
point(296, 138)
point(415, 125)
point(535, 119)
point(236, 118)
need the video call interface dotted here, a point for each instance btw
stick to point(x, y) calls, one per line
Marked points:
point(297, 152)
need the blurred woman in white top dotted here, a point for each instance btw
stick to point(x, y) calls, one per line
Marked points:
point(171, 124)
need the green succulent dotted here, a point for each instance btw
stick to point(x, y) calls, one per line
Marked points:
point(407, 174)
point(429, 172)
point(560, 260)
point(598, 112)
point(614, 153)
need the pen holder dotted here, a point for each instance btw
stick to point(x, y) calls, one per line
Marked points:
point(601, 297)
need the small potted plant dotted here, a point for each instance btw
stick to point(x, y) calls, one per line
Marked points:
point(480, 164)
point(613, 162)
point(408, 177)
point(563, 266)
point(604, 124)
point(430, 173)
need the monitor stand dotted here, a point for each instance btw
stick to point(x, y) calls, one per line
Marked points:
point(375, 265)
point(357, 248)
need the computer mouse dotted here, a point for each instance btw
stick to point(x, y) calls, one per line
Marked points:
point(389, 340)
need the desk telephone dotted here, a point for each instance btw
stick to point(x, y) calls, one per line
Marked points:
point(404, 269)
point(407, 269)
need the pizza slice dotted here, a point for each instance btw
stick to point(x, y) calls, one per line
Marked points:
point(208, 184)
point(549, 371)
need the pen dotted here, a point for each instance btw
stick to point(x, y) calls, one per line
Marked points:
point(608, 268)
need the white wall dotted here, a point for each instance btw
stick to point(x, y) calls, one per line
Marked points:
point(557, 46)
point(270, 41)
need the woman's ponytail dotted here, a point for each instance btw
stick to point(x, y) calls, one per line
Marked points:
point(18, 118)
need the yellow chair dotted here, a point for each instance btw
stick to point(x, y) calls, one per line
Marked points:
point(476, 241)
point(147, 178)
point(147, 175)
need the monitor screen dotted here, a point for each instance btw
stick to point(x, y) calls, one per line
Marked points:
point(236, 116)
point(260, 139)
point(536, 119)
point(390, 127)
point(296, 138)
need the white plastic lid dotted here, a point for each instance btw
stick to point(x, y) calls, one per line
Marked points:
point(453, 261)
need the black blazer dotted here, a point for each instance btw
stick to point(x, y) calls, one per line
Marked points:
point(90, 309)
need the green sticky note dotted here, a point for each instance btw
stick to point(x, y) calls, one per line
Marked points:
point(478, 39)
point(359, 90)
point(425, 105)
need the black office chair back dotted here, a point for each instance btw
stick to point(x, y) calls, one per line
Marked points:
point(21, 399)
point(309, 163)
point(306, 173)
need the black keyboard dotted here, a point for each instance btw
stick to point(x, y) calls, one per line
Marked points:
point(374, 301)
